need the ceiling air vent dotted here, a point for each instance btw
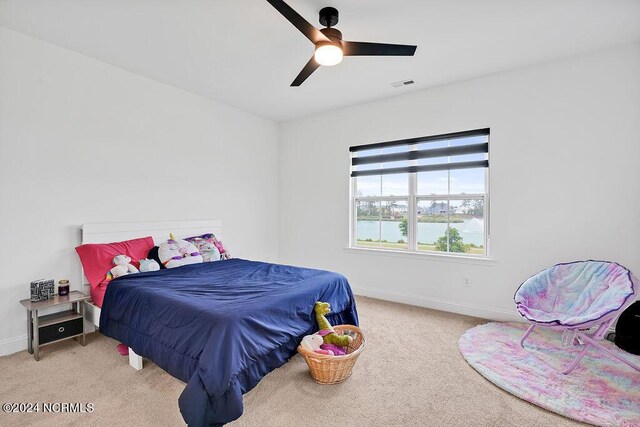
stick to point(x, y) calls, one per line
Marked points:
point(402, 83)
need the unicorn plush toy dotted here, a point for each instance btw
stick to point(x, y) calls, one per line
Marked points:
point(122, 267)
point(176, 252)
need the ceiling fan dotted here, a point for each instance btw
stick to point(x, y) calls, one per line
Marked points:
point(330, 48)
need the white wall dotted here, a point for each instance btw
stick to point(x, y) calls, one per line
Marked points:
point(82, 141)
point(564, 177)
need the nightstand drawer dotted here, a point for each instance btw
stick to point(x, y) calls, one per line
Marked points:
point(58, 331)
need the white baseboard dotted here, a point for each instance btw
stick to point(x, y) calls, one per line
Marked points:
point(13, 345)
point(440, 304)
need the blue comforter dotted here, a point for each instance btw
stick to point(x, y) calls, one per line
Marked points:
point(221, 326)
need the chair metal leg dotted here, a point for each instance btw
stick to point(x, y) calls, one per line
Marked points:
point(598, 334)
point(568, 369)
point(605, 350)
point(577, 360)
point(590, 341)
point(526, 334)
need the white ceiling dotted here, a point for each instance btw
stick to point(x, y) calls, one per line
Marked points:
point(245, 54)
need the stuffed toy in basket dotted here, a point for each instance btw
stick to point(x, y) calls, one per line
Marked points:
point(332, 352)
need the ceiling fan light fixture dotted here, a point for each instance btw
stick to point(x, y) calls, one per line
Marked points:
point(329, 45)
point(328, 54)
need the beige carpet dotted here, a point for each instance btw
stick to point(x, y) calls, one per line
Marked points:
point(410, 373)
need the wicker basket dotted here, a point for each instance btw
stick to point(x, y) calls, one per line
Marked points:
point(334, 369)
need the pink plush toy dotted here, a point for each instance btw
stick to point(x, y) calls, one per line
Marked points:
point(315, 343)
point(123, 349)
point(223, 252)
point(333, 348)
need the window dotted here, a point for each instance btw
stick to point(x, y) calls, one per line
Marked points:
point(427, 194)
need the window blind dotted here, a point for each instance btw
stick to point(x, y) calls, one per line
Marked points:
point(448, 152)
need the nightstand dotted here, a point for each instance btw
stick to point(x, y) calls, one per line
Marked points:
point(43, 330)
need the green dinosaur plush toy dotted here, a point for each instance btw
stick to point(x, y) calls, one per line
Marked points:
point(332, 341)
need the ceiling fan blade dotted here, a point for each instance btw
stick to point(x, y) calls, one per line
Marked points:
point(311, 32)
point(311, 66)
point(377, 49)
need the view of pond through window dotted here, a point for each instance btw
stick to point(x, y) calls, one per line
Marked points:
point(466, 226)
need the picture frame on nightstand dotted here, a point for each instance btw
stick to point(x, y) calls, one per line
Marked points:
point(42, 290)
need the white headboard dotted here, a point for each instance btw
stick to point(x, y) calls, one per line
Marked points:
point(107, 232)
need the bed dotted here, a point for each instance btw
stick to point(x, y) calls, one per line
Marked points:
point(220, 326)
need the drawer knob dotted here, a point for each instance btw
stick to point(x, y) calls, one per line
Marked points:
point(61, 329)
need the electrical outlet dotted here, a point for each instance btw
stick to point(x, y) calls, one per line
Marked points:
point(465, 282)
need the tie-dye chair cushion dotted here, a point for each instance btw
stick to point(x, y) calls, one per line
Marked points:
point(575, 293)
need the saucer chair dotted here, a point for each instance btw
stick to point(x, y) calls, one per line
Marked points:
point(575, 297)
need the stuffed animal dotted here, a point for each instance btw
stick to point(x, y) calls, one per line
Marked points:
point(209, 252)
point(175, 253)
point(149, 265)
point(223, 252)
point(122, 267)
point(314, 343)
point(206, 247)
point(332, 341)
point(210, 247)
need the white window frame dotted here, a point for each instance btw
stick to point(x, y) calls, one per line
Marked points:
point(412, 215)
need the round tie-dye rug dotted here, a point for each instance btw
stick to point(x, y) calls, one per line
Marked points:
point(600, 391)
